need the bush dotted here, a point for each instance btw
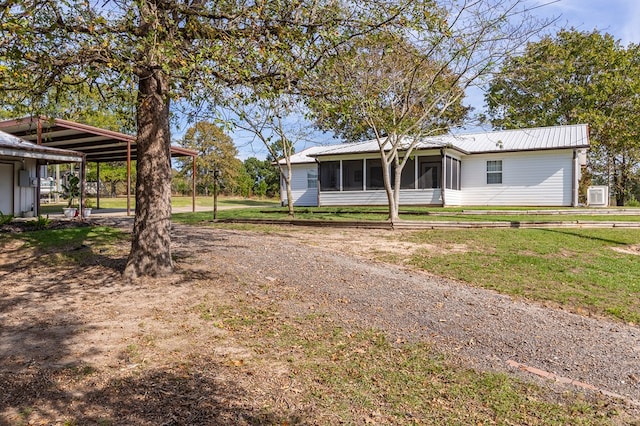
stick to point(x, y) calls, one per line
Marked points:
point(5, 219)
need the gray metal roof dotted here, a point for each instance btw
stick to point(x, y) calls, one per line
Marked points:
point(541, 138)
point(306, 155)
point(14, 147)
point(556, 137)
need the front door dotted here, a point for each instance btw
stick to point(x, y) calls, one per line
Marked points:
point(6, 188)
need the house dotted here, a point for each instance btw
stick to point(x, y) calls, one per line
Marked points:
point(19, 172)
point(527, 167)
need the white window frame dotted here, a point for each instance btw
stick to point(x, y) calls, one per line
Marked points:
point(494, 172)
point(312, 178)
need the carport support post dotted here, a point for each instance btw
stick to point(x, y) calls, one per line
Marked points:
point(97, 185)
point(193, 185)
point(83, 186)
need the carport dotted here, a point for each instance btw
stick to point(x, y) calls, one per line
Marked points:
point(96, 144)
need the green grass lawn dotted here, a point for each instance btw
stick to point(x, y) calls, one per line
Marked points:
point(121, 203)
point(275, 212)
point(414, 383)
point(575, 268)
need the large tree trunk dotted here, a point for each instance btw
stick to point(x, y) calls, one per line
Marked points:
point(150, 246)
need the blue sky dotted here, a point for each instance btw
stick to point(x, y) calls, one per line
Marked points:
point(620, 18)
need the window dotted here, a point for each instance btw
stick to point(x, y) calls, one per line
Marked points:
point(494, 172)
point(429, 171)
point(330, 176)
point(312, 178)
point(374, 175)
point(453, 173)
point(352, 175)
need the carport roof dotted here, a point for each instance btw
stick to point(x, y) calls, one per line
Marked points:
point(98, 145)
point(13, 147)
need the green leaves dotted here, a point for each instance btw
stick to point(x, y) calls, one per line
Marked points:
point(577, 77)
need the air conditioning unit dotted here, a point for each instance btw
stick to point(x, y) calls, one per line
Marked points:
point(598, 196)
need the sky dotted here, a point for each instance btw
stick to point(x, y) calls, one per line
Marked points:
point(620, 18)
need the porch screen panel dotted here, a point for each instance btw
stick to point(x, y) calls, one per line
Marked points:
point(330, 176)
point(408, 177)
point(429, 172)
point(374, 174)
point(352, 173)
point(453, 173)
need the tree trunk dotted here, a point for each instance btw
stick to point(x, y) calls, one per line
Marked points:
point(289, 193)
point(392, 195)
point(151, 241)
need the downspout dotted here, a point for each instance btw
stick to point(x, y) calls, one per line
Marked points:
point(318, 185)
point(574, 181)
point(36, 202)
point(443, 178)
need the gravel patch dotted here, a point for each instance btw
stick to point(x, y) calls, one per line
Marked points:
point(487, 330)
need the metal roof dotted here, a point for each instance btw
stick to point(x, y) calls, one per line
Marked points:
point(540, 138)
point(533, 139)
point(306, 155)
point(14, 147)
point(99, 145)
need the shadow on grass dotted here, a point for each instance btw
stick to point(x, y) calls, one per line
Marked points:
point(248, 203)
point(588, 236)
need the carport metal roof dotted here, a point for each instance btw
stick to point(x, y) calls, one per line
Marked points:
point(12, 147)
point(98, 145)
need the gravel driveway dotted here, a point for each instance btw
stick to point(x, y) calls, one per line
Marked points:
point(486, 329)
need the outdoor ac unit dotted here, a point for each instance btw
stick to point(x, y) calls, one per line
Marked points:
point(598, 196)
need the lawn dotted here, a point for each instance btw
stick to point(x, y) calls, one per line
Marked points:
point(215, 342)
point(275, 212)
point(202, 202)
point(591, 271)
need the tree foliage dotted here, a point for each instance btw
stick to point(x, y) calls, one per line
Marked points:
point(159, 52)
point(264, 177)
point(577, 77)
point(216, 151)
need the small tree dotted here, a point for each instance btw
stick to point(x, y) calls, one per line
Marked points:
point(216, 151)
point(71, 189)
point(272, 121)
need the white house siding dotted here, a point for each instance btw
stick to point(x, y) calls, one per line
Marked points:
point(15, 199)
point(6, 188)
point(536, 178)
point(452, 197)
point(301, 194)
point(379, 198)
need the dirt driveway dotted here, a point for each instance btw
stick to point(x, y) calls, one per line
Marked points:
point(60, 324)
